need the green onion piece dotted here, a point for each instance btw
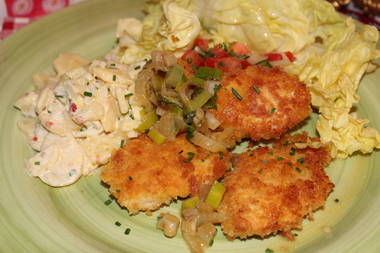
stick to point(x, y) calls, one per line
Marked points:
point(122, 142)
point(264, 63)
point(127, 231)
point(191, 156)
point(220, 154)
point(189, 117)
point(137, 67)
point(87, 94)
point(59, 96)
point(175, 109)
point(237, 95)
point(108, 202)
point(190, 132)
point(197, 81)
point(273, 110)
point(174, 76)
point(215, 195)
point(298, 170)
point(117, 223)
point(37, 163)
point(206, 73)
point(257, 90)
point(150, 119)
point(128, 95)
point(198, 101)
point(269, 251)
point(301, 160)
point(114, 78)
point(157, 81)
point(156, 136)
point(190, 203)
point(211, 104)
point(292, 151)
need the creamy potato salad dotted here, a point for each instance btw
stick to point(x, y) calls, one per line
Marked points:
point(75, 119)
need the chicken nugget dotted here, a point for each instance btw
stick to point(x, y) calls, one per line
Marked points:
point(261, 103)
point(143, 175)
point(271, 190)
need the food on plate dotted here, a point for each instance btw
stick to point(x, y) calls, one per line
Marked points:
point(143, 175)
point(261, 103)
point(78, 116)
point(271, 190)
point(332, 52)
point(165, 107)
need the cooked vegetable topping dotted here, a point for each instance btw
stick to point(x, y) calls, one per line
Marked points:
point(190, 202)
point(215, 195)
point(207, 73)
point(150, 119)
point(156, 136)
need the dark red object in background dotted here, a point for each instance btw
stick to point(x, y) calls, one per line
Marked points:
point(33, 9)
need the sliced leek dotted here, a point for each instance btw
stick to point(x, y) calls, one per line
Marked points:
point(215, 195)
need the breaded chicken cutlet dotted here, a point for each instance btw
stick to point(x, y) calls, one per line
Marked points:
point(143, 175)
point(261, 103)
point(271, 190)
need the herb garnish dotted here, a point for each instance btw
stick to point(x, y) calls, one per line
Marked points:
point(87, 94)
point(108, 202)
point(191, 156)
point(122, 142)
point(301, 160)
point(237, 95)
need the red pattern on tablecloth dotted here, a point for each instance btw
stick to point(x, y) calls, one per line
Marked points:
point(22, 12)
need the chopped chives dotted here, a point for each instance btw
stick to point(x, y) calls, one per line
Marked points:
point(87, 94)
point(127, 231)
point(280, 158)
point(131, 116)
point(272, 110)
point(221, 63)
point(59, 96)
point(237, 95)
point(211, 243)
point(191, 156)
point(292, 151)
point(301, 160)
point(114, 78)
point(336, 200)
point(137, 67)
point(298, 170)
point(108, 202)
point(122, 142)
point(128, 95)
point(117, 223)
point(37, 163)
point(220, 155)
point(268, 250)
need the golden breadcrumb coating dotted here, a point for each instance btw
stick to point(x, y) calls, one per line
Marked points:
point(143, 175)
point(271, 102)
point(271, 190)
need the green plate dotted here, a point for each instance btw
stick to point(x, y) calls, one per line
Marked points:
point(38, 218)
